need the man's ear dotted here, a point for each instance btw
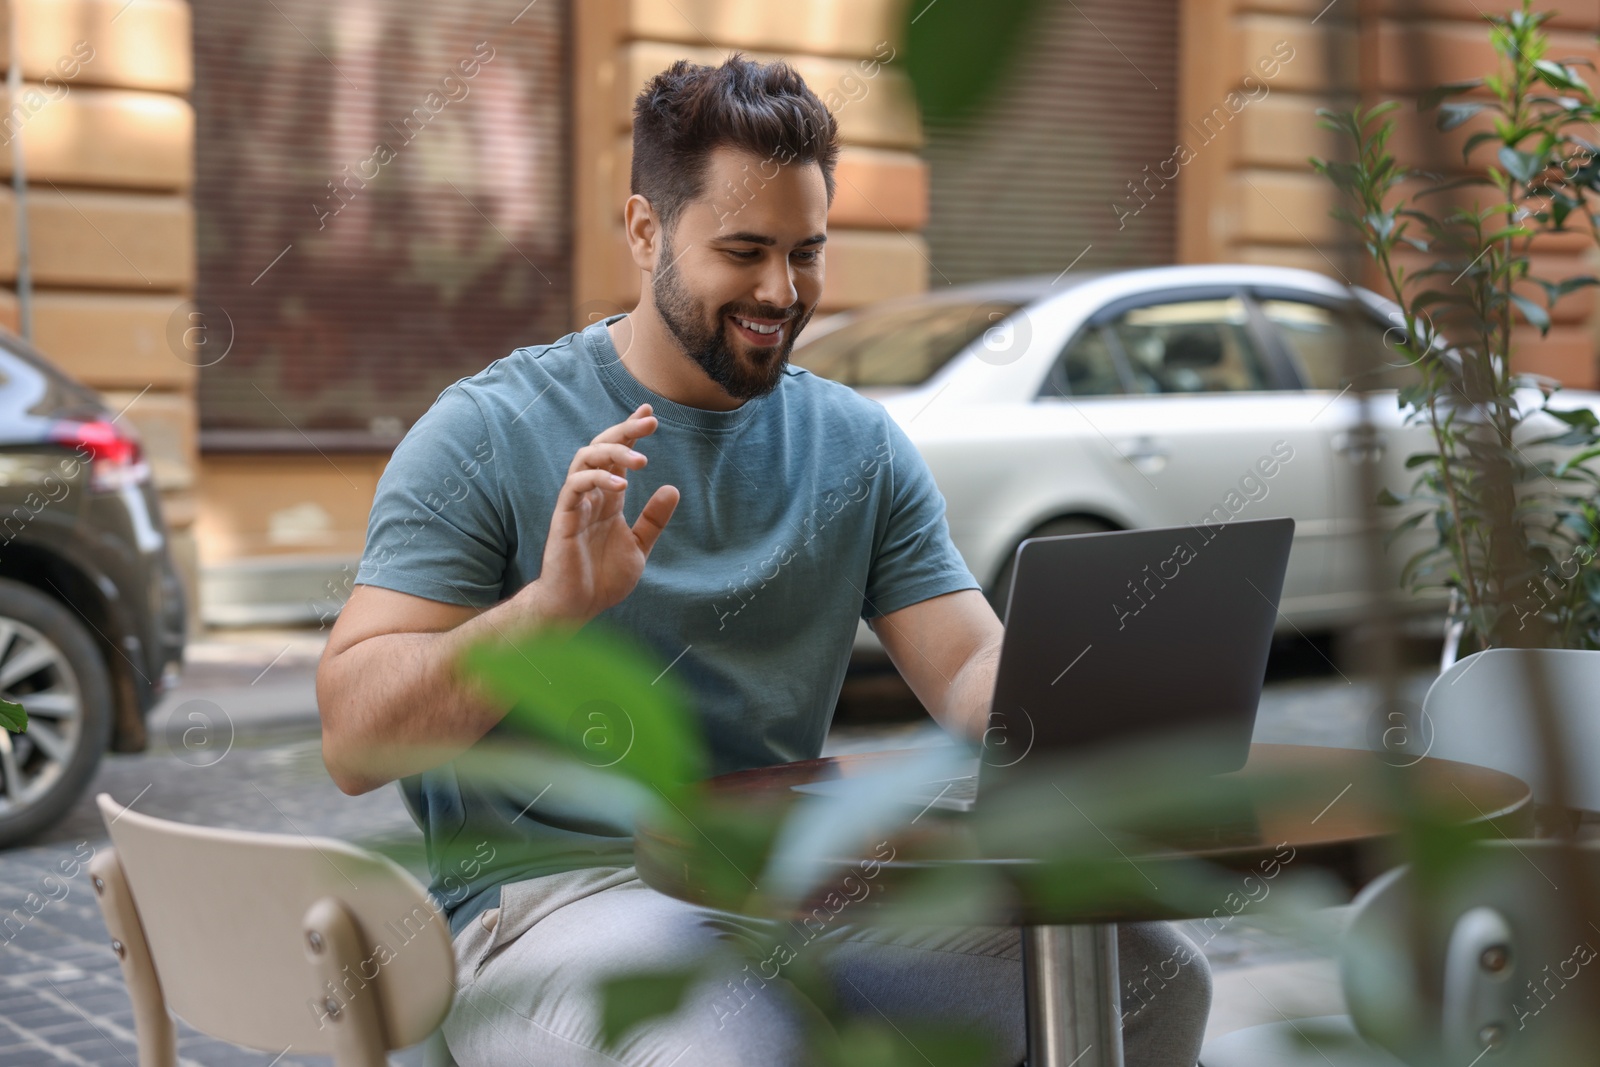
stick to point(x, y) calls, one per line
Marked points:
point(643, 230)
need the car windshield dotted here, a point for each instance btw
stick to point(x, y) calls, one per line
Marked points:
point(903, 345)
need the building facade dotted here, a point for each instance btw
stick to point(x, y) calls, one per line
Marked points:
point(277, 231)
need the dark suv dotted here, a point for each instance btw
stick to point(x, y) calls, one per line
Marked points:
point(92, 614)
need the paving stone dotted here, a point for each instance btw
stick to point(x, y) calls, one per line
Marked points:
point(27, 1056)
point(101, 1002)
point(101, 1046)
point(44, 1017)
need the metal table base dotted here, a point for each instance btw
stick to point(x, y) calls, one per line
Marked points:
point(1073, 997)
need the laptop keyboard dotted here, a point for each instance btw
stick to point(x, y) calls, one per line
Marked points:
point(956, 789)
point(954, 794)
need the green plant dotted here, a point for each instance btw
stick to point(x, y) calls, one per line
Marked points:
point(641, 762)
point(1506, 487)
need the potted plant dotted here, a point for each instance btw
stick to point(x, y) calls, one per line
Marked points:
point(1506, 487)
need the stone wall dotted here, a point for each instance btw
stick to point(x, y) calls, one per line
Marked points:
point(875, 249)
point(1248, 194)
point(108, 135)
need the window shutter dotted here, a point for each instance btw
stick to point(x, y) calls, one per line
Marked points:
point(1032, 182)
point(383, 207)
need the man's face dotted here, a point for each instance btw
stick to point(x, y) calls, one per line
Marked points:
point(747, 253)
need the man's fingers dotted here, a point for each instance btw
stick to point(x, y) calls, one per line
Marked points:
point(654, 517)
point(610, 456)
point(640, 424)
point(581, 482)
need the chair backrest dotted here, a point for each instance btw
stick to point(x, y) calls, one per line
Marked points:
point(225, 913)
point(1514, 966)
point(1478, 711)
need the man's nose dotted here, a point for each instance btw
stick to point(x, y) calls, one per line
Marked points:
point(776, 288)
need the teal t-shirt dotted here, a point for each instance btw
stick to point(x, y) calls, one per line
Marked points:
point(799, 512)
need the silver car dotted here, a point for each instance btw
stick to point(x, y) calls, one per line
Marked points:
point(1160, 397)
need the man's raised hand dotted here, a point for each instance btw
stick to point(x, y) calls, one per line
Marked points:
point(592, 557)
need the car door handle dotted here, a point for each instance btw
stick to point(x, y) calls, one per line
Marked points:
point(1146, 454)
point(1350, 443)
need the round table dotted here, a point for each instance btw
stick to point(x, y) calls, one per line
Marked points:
point(1069, 955)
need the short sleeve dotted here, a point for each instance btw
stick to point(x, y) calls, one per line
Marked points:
point(436, 529)
point(913, 558)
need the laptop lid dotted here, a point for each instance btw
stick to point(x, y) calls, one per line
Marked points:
point(1137, 635)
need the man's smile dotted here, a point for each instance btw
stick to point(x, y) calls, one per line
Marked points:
point(763, 333)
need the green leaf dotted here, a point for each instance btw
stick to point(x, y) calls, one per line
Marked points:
point(1583, 418)
point(1429, 297)
point(1536, 315)
point(1508, 232)
point(1430, 99)
point(12, 717)
point(875, 1041)
point(631, 999)
point(1453, 115)
point(1577, 460)
point(1417, 567)
point(1568, 285)
point(1413, 396)
point(1561, 206)
point(1556, 76)
point(957, 55)
point(1523, 166)
point(600, 696)
point(1376, 110)
point(1475, 140)
point(1411, 523)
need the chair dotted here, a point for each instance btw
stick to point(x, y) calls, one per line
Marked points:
point(1479, 711)
point(1503, 946)
point(270, 941)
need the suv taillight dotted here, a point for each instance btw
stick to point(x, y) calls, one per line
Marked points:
point(115, 458)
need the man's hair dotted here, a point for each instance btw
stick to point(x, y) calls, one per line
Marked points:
point(690, 109)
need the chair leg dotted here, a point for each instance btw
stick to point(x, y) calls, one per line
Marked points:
point(335, 948)
point(158, 1038)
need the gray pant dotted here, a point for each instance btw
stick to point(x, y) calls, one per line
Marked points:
point(528, 973)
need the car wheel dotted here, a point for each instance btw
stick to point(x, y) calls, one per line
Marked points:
point(1000, 592)
point(50, 665)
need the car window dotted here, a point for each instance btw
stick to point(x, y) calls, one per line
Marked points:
point(1191, 346)
point(903, 345)
point(1087, 367)
point(1317, 336)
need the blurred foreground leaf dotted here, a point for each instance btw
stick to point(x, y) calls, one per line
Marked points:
point(12, 717)
point(725, 841)
point(634, 998)
point(599, 696)
point(957, 53)
point(867, 808)
point(877, 1042)
point(592, 800)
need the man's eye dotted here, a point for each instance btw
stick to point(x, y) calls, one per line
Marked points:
point(808, 257)
point(745, 254)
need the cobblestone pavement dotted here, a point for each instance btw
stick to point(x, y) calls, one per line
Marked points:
point(61, 994)
point(256, 765)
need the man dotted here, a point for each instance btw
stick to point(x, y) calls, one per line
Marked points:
point(773, 509)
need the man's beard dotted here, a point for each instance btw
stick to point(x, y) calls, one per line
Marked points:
point(742, 379)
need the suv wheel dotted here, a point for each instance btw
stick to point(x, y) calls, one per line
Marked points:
point(50, 665)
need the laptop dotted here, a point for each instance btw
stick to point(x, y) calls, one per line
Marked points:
point(1127, 636)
